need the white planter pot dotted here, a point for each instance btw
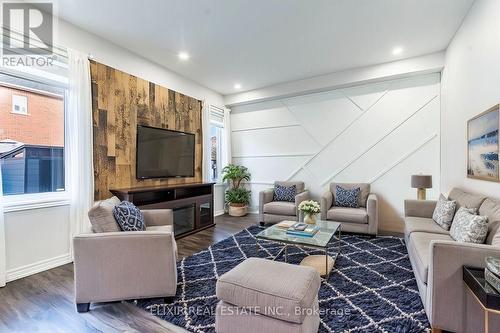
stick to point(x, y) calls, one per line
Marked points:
point(238, 210)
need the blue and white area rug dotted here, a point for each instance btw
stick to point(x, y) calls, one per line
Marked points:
point(372, 287)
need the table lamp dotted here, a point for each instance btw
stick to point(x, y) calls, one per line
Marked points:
point(421, 182)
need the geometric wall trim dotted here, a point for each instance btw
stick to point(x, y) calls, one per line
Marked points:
point(404, 157)
point(374, 144)
point(380, 133)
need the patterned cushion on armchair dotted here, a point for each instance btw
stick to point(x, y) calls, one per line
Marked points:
point(347, 198)
point(363, 194)
point(129, 217)
point(284, 193)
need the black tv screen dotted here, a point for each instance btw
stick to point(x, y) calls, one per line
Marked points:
point(164, 153)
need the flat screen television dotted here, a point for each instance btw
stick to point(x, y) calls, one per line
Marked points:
point(163, 153)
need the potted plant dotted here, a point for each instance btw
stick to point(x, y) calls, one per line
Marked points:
point(237, 197)
point(310, 208)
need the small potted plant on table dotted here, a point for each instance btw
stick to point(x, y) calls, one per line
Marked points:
point(310, 208)
point(237, 196)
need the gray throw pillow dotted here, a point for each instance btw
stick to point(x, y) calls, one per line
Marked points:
point(129, 217)
point(444, 212)
point(101, 216)
point(469, 227)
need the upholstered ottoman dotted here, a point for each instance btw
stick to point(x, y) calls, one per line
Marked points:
point(261, 295)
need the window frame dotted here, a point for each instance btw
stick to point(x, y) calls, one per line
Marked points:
point(219, 128)
point(13, 105)
point(28, 201)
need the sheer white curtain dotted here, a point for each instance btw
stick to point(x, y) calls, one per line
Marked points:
point(2, 236)
point(80, 169)
point(226, 150)
point(205, 129)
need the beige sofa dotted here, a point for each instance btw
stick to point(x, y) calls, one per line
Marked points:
point(437, 260)
point(276, 211)
point(112, 265)
point(361, 220)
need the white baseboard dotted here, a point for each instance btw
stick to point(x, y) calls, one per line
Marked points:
point(219, 213)
point(37, 267)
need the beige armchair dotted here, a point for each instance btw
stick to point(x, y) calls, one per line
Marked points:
point(271, 211)
point(123, 265)
point(363, 219)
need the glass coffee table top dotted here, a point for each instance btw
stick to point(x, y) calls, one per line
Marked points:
point(327, 229)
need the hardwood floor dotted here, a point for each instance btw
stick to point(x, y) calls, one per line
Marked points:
point(44, 302)
point(225, 226)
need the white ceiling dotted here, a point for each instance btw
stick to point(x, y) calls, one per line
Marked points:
point(263, 42)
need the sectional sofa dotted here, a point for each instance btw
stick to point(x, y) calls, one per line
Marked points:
point(437, 260)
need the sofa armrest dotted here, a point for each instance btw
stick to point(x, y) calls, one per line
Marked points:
point(372, 210)
point(157, 217)
point(124, 265)
point(445, 287)
point(326, 203)
point(265, 196)
point(420, 208)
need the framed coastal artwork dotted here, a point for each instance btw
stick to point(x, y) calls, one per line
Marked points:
point(482, 145)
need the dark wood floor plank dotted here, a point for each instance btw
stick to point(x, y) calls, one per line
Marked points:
point(44, 302)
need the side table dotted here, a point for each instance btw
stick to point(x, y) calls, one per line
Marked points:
point(485, 295)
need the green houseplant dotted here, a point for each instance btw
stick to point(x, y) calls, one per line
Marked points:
point(237, 196)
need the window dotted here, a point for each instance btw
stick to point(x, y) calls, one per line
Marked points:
point(19, 104)
point(215, 150)
point(31, 148)
point(216, 138)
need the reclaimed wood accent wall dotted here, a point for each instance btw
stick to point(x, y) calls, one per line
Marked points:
point(120, 102)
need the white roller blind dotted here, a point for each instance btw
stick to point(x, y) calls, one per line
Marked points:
point(54, 74)
point(216, 115)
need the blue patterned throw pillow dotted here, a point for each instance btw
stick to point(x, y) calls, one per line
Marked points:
point(129, 217)
point(284, 193)
point(347, 198)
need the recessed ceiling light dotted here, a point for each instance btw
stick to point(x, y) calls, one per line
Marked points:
point(183, 55)
point(397, 50)
point(237, 86)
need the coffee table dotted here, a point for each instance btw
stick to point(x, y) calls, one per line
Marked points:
point(321, 240)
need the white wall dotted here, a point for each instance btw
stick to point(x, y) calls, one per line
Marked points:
point(38, 239)
point(219, 191)
point(379, 133)
point(470, 85)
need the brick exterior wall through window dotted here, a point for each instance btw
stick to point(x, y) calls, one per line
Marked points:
point(43, 125)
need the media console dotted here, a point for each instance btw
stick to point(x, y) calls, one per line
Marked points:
point(192, 203)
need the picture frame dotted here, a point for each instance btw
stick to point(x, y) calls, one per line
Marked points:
point(483, 145)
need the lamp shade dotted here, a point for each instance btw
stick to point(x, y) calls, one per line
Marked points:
point(421, 181)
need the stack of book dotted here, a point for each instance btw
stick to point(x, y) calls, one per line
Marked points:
point(302, 229)
point(285, 224)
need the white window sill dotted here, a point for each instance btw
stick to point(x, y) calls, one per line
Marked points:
point(15, 203)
